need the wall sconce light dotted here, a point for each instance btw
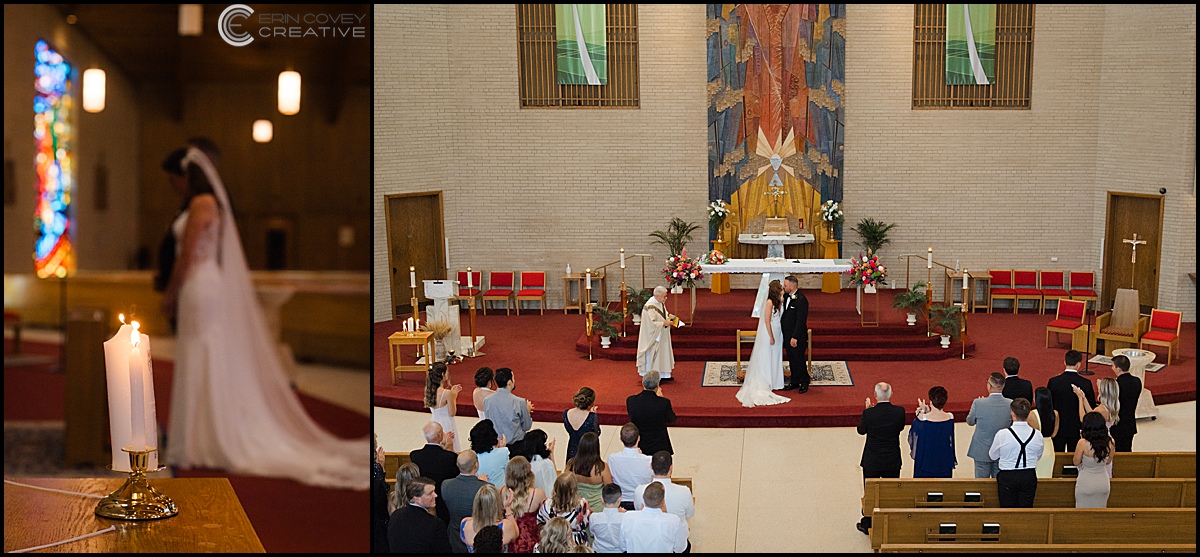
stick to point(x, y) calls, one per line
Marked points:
point(289, 92)
point(191, 20)
point(93, 90)
point(263, 131)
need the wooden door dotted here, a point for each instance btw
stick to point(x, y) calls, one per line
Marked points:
point(415, 238)
point(1129, 214)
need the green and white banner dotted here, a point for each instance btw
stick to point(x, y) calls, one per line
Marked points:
point(581, 44)
point(970, 44)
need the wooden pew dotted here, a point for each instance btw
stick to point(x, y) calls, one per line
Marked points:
point(1038, 548)
point(391, 463)
point(1051, 493)
point(1141, 465)
point(1036, 526)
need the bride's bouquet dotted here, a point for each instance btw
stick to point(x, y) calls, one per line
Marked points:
point(867, 271)
point(682, 270)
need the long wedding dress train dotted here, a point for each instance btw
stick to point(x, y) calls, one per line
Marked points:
point(765, 369)
point(232, 406)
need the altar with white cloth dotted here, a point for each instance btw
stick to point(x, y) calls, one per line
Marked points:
point(776, 270)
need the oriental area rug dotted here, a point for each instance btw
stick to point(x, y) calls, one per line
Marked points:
point(824, 374)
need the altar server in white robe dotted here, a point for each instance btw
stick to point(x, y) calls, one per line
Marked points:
point(654, 340)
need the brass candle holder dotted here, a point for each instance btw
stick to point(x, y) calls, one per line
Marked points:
point(136, 499)
point(589, 326)
point(624, 299)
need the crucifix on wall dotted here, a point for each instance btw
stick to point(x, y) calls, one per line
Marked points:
point(1133, 260)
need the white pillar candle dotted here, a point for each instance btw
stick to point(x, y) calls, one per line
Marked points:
point(412, 277)
point(965, 277)
point(120, 359)
point(470, 279)
point(589, 279)
point(929, 260)
point(622, 258)
point(138, 392)
point(447, 253)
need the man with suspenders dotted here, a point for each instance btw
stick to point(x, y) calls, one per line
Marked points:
point(1018, 449)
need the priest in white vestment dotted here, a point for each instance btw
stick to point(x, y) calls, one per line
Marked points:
point(654, 340)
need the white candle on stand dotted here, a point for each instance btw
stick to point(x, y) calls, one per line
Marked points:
point(470, 279)
point(127, 365)
point(622, 258)
point(447, 253)
point(589, 279)
point(929, 260)
point(412, 277)
point(137, 390)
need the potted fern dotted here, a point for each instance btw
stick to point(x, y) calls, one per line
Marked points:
point(949, 320)
point(912, 300)
point(636, 300)
point(605, 322)
point(874, 234)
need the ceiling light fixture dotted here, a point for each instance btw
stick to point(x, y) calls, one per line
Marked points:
point(93, 90)
point(263, 131)
point(289, 92)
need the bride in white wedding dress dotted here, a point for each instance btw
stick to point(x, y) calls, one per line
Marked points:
point(232, 407)
point(765, 369)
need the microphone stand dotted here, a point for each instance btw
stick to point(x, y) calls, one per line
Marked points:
point(1091, 316)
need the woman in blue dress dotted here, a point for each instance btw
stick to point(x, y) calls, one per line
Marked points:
point(580, 419)
point(931, 437)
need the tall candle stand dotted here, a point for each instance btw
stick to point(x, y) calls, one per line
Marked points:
point(624, 300)
point(928, 293)
point(590, 307)
point(966, 292)
point(471, 352)
point(136, 499)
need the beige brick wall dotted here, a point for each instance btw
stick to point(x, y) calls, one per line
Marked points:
point(987, 188)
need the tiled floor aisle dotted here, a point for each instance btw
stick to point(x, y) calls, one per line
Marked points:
point(777, 490)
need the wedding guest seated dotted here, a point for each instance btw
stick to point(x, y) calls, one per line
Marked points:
point(485, 385)
point(931, 438)
point(678, 498)
point(411, 529)
point(652, 529)
point(509, 413)
point(629, 467)
point(1093, 454)
point(556, 537)
point(651, 412)
point(436, 463)
point(565, 502)
point(541, 459)
point(606, 525)
point(404, 474)
point(489, 539)
point(590, 472)
point(459, 493)
point(522, 499)
point(491, 451)
point(488, 510)
point(580, 419)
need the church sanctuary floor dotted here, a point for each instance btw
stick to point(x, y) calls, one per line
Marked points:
point(779, 489)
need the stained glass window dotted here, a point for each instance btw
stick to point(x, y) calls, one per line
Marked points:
point(53, 255)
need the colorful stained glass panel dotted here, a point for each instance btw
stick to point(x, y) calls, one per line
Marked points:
point(53, 254)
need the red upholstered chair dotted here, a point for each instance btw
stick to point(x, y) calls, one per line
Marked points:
point(1026, 285)
point(501, 289)
point(1083, 286)
point(1001, 289)
point(1069, 319)
point(1164, 331)
point(475, 292)
point(1053, 287)
point(533, 288)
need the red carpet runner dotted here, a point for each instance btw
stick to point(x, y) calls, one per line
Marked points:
point(542, 349)
point(286, 515)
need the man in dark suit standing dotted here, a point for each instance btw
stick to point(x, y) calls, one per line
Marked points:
point(436, 463)
point(1130, 388)
point(1015, 387)
point(794, 325)
point(882, 424)
point(459, 493)
point(411, 529)
point(651, 412)
point(1065, 400)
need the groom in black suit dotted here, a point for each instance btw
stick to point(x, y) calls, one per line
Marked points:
point(794, 325)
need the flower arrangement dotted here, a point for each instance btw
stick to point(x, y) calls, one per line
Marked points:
point(831, 212)
point(715, 257)
point(682, 270)
point(717, 211)
point(867, 270)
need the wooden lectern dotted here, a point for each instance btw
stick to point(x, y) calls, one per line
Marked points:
point(87, 437)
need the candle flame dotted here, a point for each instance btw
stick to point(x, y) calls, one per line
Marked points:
point(121, 316)
point(135, 337)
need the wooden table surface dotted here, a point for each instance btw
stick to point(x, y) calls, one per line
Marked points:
point(210, 519)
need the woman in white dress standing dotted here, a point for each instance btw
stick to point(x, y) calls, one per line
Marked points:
point(232, 406)
point(764, 372)
point(485, 386)
point(441, 398)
